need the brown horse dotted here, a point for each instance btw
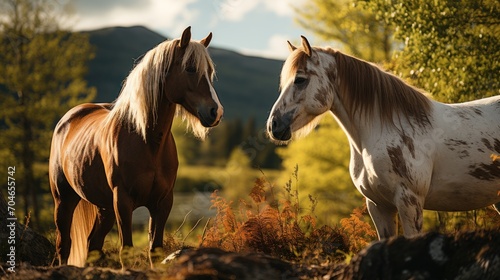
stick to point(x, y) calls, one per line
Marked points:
point(108, 159)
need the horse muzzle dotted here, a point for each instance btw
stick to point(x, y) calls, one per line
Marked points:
point(279, 128)
point(210, 116)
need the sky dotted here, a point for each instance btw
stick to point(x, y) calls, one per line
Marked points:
point(252, 27)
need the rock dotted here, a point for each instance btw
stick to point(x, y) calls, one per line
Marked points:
point(212, 263)
point(28, 245)
point(469, 255)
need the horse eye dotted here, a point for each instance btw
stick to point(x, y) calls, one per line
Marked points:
point(299, 80)
point(191, 69)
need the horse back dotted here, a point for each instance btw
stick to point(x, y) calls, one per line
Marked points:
point(77, 113)
point(74, 144)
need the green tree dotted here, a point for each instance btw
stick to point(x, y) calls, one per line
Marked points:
point(188, 146)
point(451, 48)
point(323, 171)
point(42, 75)
point(238, 175)
point(350, 24)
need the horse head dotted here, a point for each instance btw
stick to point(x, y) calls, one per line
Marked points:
point(306, 93)
point(190, 80)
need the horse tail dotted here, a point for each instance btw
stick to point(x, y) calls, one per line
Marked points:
point(83, 221)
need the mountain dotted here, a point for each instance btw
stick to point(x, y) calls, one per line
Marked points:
point(247, 86)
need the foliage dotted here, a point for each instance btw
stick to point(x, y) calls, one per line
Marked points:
point(359, 233)
point(278, 226)
point(42, 70)
point(238, 159)
point(323, 158)
point(349, 24)
point(223, 140)
point(454, 222)
point(451, 48)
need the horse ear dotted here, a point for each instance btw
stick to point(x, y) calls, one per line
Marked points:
point(291, 47)
point(206, 41)
point(186, 37)
point(306, 46)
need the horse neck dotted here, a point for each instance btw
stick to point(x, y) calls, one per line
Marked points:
point(356, 128)
point(351, 129)
point(160, 129)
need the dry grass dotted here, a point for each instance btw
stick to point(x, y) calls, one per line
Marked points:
point(273, 222)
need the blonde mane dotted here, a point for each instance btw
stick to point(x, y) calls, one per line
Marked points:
point(388, 93)
point(364, 87)
point(136, 106)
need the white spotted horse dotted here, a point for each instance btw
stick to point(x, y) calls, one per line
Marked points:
point(408, 152)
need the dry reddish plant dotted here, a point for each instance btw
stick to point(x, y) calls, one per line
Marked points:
point(279, 228)
point(358, 232)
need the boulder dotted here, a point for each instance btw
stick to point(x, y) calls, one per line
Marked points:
point(467, 255)
point(213, 263)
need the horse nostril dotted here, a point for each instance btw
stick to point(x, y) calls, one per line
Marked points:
point(213, 112)
point(274, 124)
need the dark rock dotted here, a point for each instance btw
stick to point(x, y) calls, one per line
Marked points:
point(470, 255)
point(29, 246)
point(212, 263)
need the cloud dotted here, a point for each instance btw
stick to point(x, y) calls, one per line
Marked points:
point(282, 7)
point(173, 15)
point(277, 48)
point(233, 10)
point(93, 7)
point(236, 10)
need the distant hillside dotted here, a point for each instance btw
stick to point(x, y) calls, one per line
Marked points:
point(247, 86)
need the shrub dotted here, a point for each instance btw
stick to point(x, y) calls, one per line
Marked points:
point(273, 222)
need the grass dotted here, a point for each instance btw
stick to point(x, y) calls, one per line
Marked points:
point(251, 214)
point(268, 220)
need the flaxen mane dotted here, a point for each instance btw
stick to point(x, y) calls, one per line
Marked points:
point(137, 105)
point(364, 87)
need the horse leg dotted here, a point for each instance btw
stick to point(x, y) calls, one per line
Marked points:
point(384, 219)
point(157, 222)
point(410, 209)
point(103, 224)
point(63, 218)
point(123, 206)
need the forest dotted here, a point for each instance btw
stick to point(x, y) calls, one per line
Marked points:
point(450, 49)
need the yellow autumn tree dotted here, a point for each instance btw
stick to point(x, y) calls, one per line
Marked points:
point(323, 158)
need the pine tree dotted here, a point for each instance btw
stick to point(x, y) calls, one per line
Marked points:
point(42, 75)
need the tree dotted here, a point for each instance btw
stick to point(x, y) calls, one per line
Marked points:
point(323, 171)
point(350, 24)
point(451, 48)
point(42, 75)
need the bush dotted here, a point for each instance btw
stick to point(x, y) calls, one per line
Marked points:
point(281, 228)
